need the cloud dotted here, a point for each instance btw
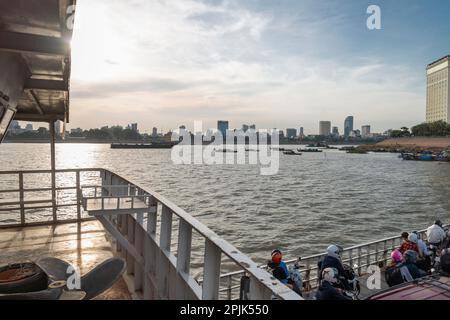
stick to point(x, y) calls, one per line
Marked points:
point(174, 62)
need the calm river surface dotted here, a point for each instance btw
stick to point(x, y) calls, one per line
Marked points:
point(314, 200)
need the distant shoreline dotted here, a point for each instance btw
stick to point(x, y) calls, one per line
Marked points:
point(411, 144)
point(45, 141)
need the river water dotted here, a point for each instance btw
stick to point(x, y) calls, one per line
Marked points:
point(315, 199)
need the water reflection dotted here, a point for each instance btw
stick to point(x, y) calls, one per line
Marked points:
point(315, 200)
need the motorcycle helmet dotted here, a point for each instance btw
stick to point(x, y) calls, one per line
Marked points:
point(335, 250)
point(396, 256)
point(413, 238)
point(276, 256)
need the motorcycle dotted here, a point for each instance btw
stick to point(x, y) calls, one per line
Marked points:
point(352, 288)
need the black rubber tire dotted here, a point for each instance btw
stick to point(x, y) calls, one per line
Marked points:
point(36, 282)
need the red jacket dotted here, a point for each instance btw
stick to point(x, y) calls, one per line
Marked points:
point(407, 245)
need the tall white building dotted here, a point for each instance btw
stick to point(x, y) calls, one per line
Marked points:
point(438, 90)
point(365, 131)
point(325, 128)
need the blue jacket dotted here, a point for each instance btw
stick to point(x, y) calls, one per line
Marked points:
point(280, 271)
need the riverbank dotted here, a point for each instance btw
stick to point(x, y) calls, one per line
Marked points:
point(411, 144)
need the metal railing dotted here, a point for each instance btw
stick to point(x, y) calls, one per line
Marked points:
point(160, 262)
point(16, 196)
point(359, 257)
point(157, 242)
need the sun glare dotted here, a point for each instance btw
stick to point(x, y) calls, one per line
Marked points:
point(98, 48)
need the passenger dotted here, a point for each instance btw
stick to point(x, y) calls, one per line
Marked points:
point(409, 269)
point(396, 259)
point(436, 234)
point(405, 236)
point(424, 261)
point(327, 289)
point(333, 260)
point(408, 244)
point(279, 268)
point(392, 274)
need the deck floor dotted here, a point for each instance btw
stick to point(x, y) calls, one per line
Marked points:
point(81, 244)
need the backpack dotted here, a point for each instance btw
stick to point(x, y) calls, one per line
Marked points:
point(393, 276)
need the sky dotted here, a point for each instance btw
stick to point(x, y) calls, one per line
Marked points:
point(283, 64)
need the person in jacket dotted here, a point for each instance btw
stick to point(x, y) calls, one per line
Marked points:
point(424, 261)
point(327, 289)
point(409, 244)
point(436, 234)
point(333, 260)
point(396, 259)
point(279, 268)
point(409, 269)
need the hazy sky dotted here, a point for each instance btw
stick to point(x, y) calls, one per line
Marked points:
point(286, 63)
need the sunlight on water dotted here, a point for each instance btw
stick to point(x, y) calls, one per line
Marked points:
point(315, 200)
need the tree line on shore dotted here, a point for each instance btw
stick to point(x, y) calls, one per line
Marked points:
point(432, 129)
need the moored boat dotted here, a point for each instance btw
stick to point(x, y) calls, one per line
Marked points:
point(290, 152)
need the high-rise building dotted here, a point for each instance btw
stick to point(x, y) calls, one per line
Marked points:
point(223, 127)
point(348, 126)
point(335, 131)
point(325, 128)
point(57, 128)
point(438, 90)
point(365, 131)
point(134, 127)
point(301, 133)
point(291, 133)
point(155, 132)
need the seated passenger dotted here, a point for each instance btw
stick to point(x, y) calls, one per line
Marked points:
point(392, 274)
point(279, 268)
point(424, 261)
point(436, 234)
point(333, 260)
point(409, 245)
point(409, 268)
point(405, 271)
point(396, 259)
point(327, 289)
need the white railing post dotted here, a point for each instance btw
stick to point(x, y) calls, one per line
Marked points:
point(183, 258)
point(139, 235)
point(162, 264)
point(258, 291)
point(21, 195)
point(130, 236)
point(166, 229)
point(78, 195)
point(359, 261)
point(211, 274)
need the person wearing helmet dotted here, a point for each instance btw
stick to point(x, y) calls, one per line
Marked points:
point(423, 250)
point(396, 259)
point(279, 268)
point(327, 289)
point(333, 260)
point(424, 261)
point(436, 234)
point(392, 274)
point(409, 244)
